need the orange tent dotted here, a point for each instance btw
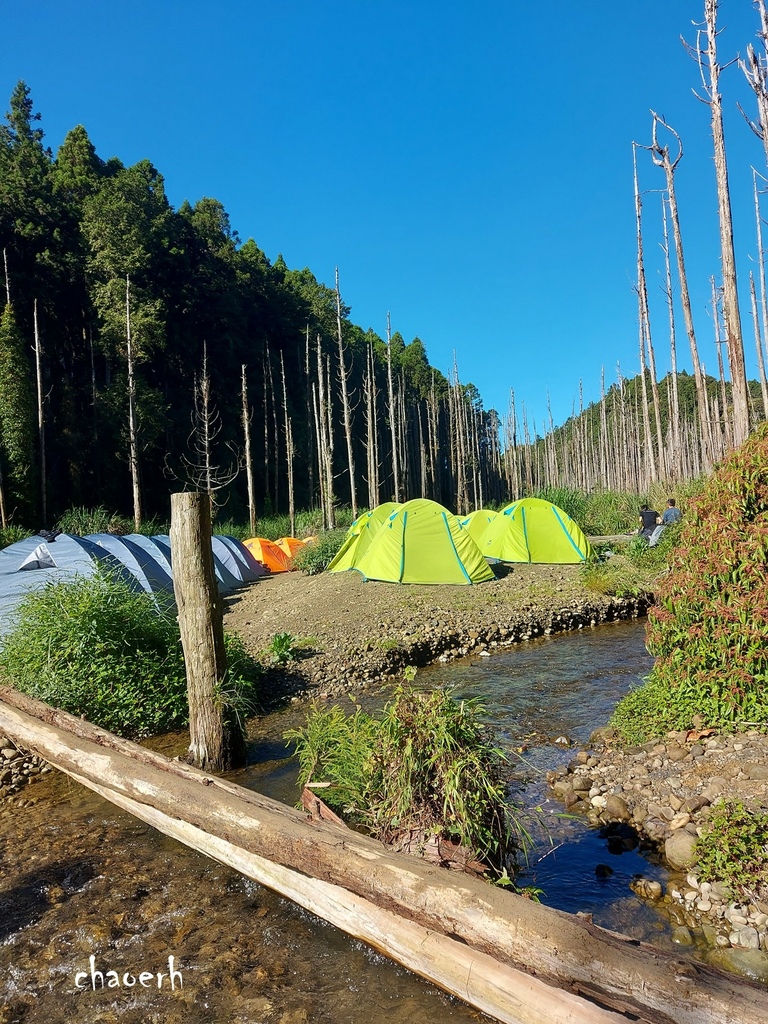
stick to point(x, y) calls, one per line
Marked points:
point(290, 545)
point(268, 553)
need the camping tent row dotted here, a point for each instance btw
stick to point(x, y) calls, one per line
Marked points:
point(143, 562)
point(422, 542)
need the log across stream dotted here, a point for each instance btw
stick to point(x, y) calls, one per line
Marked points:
point(512, 958)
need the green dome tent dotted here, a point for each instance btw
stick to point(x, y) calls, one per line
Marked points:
point(477, 523)
point(533, 530)
point(359, 536)
point(422, 542)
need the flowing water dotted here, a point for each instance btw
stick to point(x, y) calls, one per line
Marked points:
point(82, 879)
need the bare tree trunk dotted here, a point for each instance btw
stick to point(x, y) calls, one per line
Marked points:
point(755, 69)
point(727, 422)
point(645, 328)
point(763, 290)
point(216, 740)
point(7, 278)
point(248, 457)
point(661, 157)
point(266, 459)
point(392, 415)
point(673, 404)
point(3, 516)
point(732, 316)
point(759, 345)
point(40, 418)
point(347, 412)
point(371, 424)
point(320, 456)
point(308, 404)
point(275, 430)
point(325, 440)
point(133, 433)
point(288, 449)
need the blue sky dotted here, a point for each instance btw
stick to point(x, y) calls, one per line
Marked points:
point(468, 167)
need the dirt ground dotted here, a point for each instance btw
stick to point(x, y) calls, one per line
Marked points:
point(350, 632)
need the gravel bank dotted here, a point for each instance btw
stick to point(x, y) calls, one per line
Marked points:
point(665, 791)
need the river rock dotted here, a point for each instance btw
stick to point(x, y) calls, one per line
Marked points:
point(678, 849)
point(616, 808)
point(750, 963)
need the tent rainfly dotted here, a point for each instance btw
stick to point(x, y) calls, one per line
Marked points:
point(534, 530)
point(360, 534)
point(268, 553)
point(477, 523)
point(143, 562)
point(422, 542)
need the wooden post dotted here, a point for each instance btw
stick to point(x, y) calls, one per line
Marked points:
point(216, 739)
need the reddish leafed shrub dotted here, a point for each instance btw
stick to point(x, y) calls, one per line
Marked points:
point(709, 629)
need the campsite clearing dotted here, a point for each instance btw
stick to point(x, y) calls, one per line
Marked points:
point(350, 631)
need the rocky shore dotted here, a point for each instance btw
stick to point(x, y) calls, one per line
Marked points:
point(18, 769)
point(665, 791)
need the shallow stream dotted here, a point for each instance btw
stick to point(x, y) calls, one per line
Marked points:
point(80, 878)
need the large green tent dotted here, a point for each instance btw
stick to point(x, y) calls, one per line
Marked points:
point(422, 542)
point(534, 530)
point(477, 523)
point(360, 534)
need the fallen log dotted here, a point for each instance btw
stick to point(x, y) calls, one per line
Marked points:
point(456, 930)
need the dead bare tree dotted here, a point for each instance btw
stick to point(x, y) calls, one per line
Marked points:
point(662, 158)
point(372, 431)
point(758, 344)
point(755, 69)
point(673, 404)
point(710, 70)
point(325, 439)
point(199, 470)
point(289, 452)
point(133, 430)
point(644, 320)
point(763, 289)
point(246, 413)
point(40, 418)
point(344, 375)
point(392, 416)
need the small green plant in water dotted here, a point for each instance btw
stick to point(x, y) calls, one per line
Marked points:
point(425, 768)
point(282, 648)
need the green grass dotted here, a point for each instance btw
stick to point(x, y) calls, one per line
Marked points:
point(11, 534)
point(315, 558)
point(94, 647)
point(82, 521)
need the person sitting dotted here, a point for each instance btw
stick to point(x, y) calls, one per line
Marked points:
point(648, 520)
point(672, 514)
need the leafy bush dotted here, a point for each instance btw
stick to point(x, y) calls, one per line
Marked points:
point(425, 768)
point(315, 558)
point(94, 647)
point(733, 848)
point(573, 502)
point(82, 521)
point(282, 648)
point(709, 628)
point(11, 534)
